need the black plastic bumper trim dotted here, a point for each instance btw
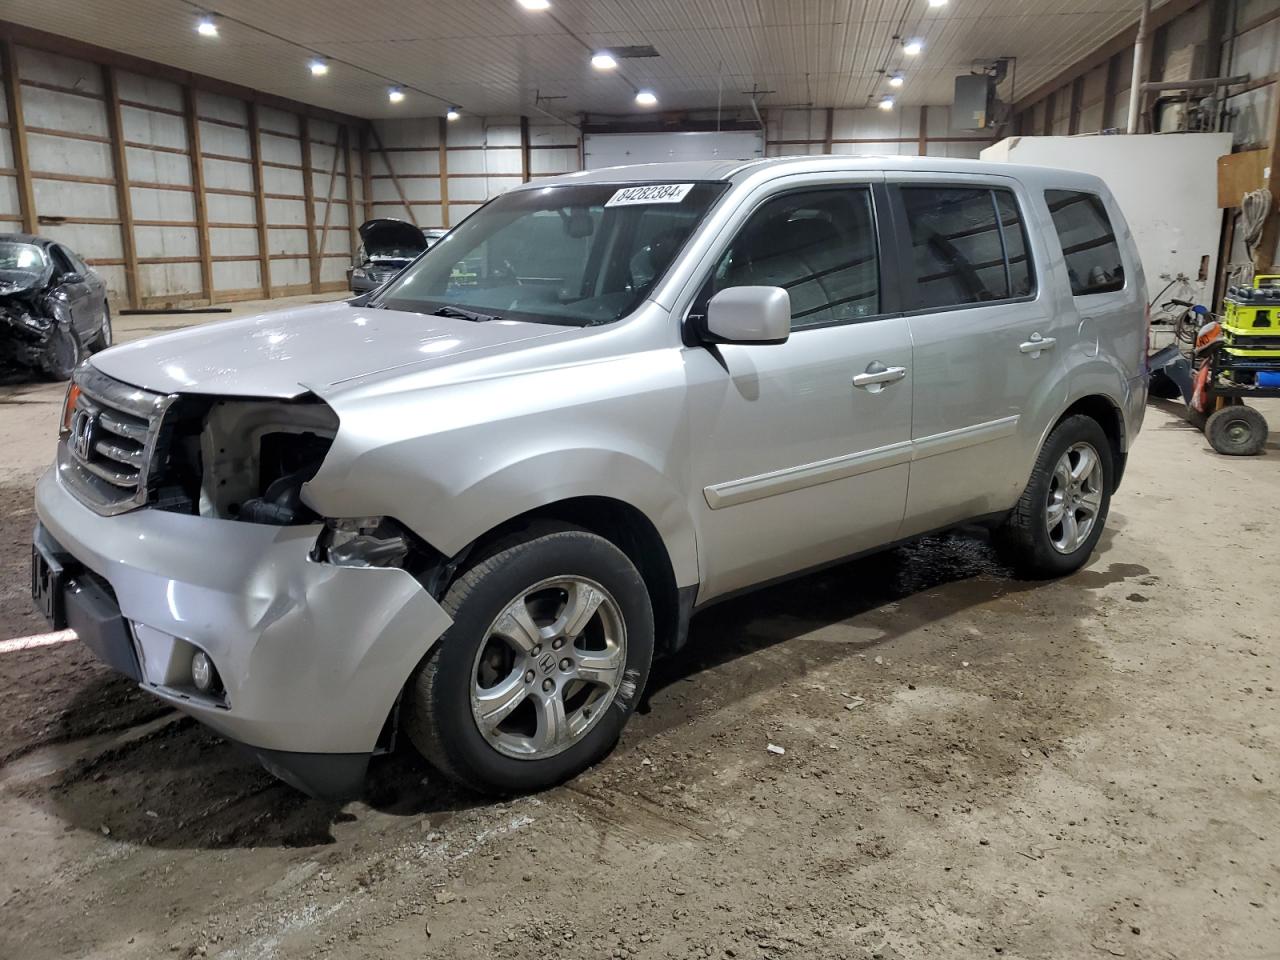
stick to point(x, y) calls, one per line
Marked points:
point(324, 776)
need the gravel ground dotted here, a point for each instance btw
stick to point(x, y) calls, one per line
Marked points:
point(974, 766)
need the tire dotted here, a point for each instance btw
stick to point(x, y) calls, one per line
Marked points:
point(1198, 418)
point(102, 339)
point(1237, 431)
point(1030, 542)
point(483, 655)
point(63, 352)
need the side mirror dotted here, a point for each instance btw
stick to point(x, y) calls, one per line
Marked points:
point(71, 278)
point(749, 315)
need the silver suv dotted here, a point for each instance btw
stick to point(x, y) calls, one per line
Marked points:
point(473, 505)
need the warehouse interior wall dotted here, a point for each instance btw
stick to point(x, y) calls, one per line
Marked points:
point(902, 131)
point(177, 194)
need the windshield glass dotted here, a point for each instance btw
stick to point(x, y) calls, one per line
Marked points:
point(20, 258)
point(579, 254)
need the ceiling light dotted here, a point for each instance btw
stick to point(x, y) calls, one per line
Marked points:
point(536, 4)
point(886, 103)
point(318, 67)
point(646, 98)
point(912, 47)
point(604, 61)
point(206, 27)
point(897, 80)
point(395, 94)
point(453, 114)
point(937, 3)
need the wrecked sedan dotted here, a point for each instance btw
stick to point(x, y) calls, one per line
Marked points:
point(53, 307)
point(387, 246)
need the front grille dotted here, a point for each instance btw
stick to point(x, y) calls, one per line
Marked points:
point(106, 455)
point(383, 274)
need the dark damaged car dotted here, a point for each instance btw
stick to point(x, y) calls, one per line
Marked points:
point(53, 307)
point(387, 246)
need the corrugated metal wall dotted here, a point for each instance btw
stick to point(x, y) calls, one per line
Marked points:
point(904, 131)
point(176, 194)
point(435, 172)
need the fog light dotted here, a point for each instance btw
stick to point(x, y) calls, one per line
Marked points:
point(203, 674)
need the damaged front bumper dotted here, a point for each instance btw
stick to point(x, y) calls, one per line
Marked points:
point(24, 333)
point(311, 657)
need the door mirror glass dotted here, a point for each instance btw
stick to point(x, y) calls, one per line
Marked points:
point(747, 315)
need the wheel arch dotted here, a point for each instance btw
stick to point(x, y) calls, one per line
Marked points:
point(1107, 413)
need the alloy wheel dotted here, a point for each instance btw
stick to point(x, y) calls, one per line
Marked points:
point(1075, 497)
point(550, 665)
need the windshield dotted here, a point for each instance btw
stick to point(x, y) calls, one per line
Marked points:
point(580, 254)
point(24, 259)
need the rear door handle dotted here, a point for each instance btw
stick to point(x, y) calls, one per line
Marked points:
point(877, 375)
point(1036, 344)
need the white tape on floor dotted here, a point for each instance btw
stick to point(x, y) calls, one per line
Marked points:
point(38, 640)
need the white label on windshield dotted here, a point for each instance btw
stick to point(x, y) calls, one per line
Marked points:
point(655, 193)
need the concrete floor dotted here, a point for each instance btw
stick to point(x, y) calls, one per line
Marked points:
point(1082, 768)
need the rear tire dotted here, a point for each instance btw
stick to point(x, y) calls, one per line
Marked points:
point(1237, 431)
point(548, 653)
point(1062, 512)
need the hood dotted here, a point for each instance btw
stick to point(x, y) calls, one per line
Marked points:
point(385, 237)
point(287, 353)
point(20, 281)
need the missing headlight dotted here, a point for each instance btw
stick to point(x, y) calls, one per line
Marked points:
point(363, 542)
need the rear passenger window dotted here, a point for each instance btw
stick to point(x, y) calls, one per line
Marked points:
point(819, 246)
point(1088, 241)
point(968, 246)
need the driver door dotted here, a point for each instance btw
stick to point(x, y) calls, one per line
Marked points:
point(75, 293)
point(800, 451)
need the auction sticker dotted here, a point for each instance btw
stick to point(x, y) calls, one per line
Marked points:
point(654, 193)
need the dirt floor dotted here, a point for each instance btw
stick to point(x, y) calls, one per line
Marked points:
point(974, 766)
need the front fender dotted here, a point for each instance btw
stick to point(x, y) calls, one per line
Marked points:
point(455, 462)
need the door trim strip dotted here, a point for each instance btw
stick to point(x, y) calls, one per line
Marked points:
point(790, 479)
point(806, 475)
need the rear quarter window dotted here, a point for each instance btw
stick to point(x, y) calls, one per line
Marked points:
point(1088, 241)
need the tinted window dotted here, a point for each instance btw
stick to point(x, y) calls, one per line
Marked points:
point(819, 246)
point(956, 246)
point(1088, 241)
point(1017, 251)
point(61, 264)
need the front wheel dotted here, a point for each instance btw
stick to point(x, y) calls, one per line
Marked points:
point(1237, 431)
point(1057, 522)
point(549, 650)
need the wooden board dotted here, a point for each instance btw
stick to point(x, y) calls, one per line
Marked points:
point(1238, 173)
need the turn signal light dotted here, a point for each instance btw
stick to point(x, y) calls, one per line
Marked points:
point(68, 408)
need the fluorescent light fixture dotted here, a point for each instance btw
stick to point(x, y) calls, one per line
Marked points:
point(912, 47)
point(453, 114)
point(646, 98)
point(897, 80)
point(395, 94)
point(318, 67)
point(937, 3)
point(206, 27)
point(536, 4)
point(604, 61)
point(886, 103)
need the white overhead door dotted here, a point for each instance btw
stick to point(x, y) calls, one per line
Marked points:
point(616, 149)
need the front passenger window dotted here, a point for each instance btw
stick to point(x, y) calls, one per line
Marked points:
point(819, 246)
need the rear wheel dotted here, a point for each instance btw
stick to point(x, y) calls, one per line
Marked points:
point(1063, 510)
point(550, 647)
point(1237, 431)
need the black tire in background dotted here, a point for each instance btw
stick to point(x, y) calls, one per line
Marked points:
point(63, 352)
point(437, 711)
point(102, 339)
point(1024, 539)
point(1237, 431)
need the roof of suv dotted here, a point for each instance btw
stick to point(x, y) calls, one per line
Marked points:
point(733, 170)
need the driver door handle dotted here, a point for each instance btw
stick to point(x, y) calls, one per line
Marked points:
point(876, 375)
point(1036, 344)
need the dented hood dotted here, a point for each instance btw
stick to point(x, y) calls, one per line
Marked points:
point(275, 354)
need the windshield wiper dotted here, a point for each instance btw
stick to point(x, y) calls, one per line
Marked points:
point(458, 313)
